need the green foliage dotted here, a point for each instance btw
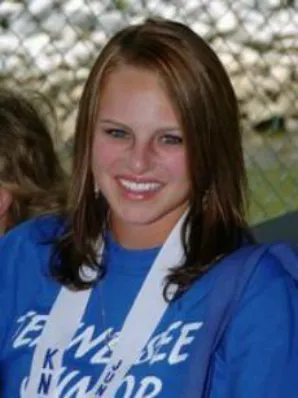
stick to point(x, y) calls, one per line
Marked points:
point(121, 5)
point(272, 192)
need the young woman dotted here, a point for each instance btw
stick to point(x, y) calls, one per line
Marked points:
point(149, 285)
point(32, 180)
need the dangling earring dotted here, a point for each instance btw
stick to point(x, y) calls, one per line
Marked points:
point(96, 191)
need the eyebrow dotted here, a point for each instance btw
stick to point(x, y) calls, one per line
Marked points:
point(115, 122)
point(124, 126)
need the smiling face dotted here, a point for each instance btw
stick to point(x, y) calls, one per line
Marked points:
point(139, 157)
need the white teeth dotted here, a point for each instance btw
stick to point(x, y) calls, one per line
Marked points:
point(139, 187)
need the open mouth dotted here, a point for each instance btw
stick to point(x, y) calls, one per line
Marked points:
point(139, 189)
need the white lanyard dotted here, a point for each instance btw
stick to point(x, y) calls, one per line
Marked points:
point(67, 312)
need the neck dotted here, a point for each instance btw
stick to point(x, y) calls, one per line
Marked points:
point(143, 236)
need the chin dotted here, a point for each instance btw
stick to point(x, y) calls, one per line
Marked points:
point(148, 216)
point(140, 218)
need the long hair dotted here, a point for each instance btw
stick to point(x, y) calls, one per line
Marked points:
point(29, 166)
point(205, 103)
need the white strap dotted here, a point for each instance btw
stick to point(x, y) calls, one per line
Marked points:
point(143, 318)
point(63, 320)
point(68, 310)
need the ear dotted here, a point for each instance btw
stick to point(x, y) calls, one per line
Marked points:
point(5, 202)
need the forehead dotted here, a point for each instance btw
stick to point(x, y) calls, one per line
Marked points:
point(137, 93)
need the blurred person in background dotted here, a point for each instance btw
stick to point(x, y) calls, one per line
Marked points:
point(32, 180)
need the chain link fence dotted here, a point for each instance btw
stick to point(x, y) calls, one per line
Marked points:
point(50, 45)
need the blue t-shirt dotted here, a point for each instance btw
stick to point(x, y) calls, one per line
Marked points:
point(256, 357)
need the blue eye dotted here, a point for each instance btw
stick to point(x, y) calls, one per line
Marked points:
point(116, 133)
point(171, 139)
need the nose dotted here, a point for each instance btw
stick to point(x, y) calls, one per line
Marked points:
point(140, 157)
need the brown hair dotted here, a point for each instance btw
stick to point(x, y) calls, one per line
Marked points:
point(204, 100)
point(29, 167)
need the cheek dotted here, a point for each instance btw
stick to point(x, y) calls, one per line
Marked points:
point(104, 155)
point(177, 167)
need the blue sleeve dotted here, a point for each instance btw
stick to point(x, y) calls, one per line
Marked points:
point(23, 262)
point(9, 257)
point(258, 356)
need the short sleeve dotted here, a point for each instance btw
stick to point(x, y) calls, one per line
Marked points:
point(24, 259)
point(9, 257)
point(258, 356)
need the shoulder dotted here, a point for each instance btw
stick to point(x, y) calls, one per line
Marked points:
point(245, 271)
point(266, 284)
point(24, 270)
point(35, 231)
point(268, 301)
point(28, 245)
point(266, 260)
point(257, 341)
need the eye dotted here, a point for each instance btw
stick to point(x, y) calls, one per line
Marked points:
point(116, 133)
point(171, 139)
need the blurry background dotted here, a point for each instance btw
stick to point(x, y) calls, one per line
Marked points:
point(50, 45)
